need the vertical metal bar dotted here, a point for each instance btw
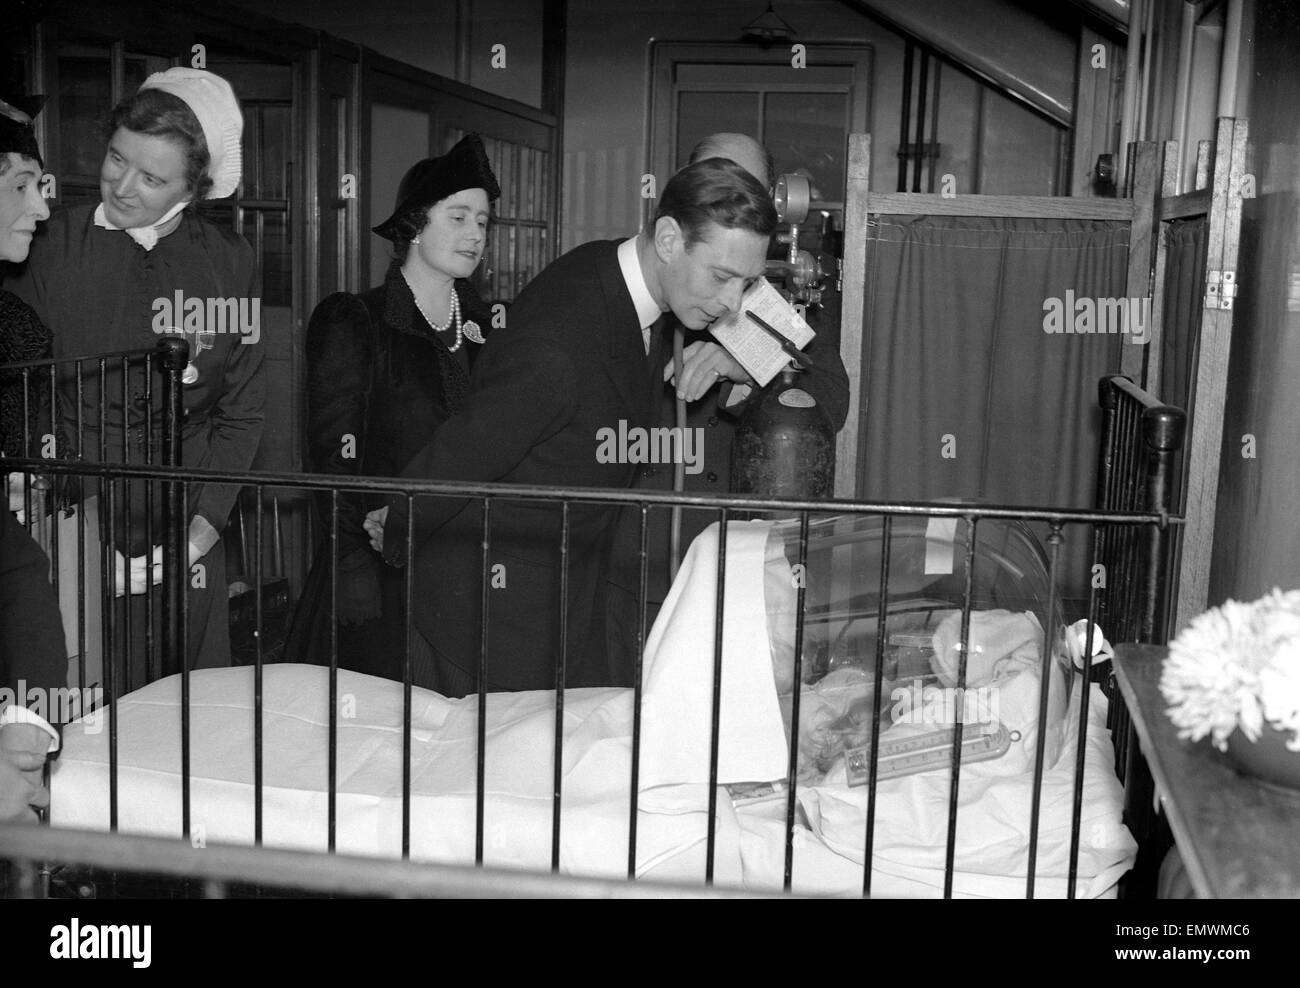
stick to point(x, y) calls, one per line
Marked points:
point(920, 120)
point(1081, 745)
point(80, 387)
point(1162, 436)
point(257, 676)
point(153, 661)
point(29, 501)
point(407, 679)
point(174, 354)
point(52, 506)
point(111, 583)
point(183, 638)
point(128, 636)
point(480, 776)
point(904, 134)
point(332, 768)
point(637, 687)
point(1044, 685)
point(882, 629)
point(718, 605)
point(792, 770)
point(1106, 398)
point(560, 670)
point(108, 615)
point(959, 704)
point(25, 374)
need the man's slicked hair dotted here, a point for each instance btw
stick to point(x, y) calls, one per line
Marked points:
point(719, 191)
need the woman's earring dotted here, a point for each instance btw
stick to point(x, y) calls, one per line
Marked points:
point(415, 241)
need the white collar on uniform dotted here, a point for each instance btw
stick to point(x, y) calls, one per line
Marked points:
point(145, 236)
point(647, 310)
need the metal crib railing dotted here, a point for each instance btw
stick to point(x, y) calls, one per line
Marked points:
point(726, 507)
point(1147, 574)
point(54, 397)
point(1137, 471)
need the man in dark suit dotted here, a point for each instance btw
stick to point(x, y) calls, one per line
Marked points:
point(713, 416)
point(577, 362)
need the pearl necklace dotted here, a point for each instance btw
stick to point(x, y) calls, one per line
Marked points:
point(453, 316)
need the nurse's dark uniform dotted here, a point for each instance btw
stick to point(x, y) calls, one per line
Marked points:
point(96, 291)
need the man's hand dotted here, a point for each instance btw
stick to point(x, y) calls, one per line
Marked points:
point(374, 526)
point(703, 365)
point(23, 748)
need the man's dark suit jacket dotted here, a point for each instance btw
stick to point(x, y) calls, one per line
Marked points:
point(31, 631)
point(827, 382)
point(569, 362)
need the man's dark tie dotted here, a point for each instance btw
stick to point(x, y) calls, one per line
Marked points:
point(660, 352)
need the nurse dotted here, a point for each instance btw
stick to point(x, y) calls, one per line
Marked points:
point(108, 277)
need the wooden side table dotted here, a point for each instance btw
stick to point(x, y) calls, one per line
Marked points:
point(1238, 837)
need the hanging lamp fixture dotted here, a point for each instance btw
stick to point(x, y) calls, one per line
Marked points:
point(768, 28)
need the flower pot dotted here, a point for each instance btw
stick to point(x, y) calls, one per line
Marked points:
point(1267, 759)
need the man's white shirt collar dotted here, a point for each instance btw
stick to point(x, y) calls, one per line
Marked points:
point(647, 310)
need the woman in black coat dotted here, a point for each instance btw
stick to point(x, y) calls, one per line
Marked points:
point(384, 370)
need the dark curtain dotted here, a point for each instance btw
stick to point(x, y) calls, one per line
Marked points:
point(1184, 300)
point(956, 361)
point(1181, 324)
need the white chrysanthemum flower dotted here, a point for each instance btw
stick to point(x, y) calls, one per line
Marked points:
point(1237, 665)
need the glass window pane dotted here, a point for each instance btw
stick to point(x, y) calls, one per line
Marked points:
point(806, 132)
point(701, 114)
point(277, 260)
point(85, 98)
point(274, 151)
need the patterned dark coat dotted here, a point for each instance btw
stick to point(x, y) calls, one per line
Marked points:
point(380, 382)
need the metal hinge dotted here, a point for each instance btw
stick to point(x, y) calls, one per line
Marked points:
point(1220, 289)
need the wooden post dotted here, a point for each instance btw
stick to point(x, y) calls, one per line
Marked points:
point(1210, 385)
point(1155, 349)
point(1144, 183)
point(853, 276)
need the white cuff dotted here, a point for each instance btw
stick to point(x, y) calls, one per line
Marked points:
point(739, 392)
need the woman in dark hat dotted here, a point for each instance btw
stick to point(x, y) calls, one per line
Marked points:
point(22, 335)
point(31, 631)
point(384, 370)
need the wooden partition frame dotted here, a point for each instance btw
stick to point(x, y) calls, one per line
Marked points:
point(1149, 204)
point(861, 203)
point(1221, 167)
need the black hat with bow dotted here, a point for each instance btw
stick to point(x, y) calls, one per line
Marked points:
point(465, 166)
point(16, 132)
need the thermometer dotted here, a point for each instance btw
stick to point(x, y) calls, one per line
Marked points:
point(923, 752)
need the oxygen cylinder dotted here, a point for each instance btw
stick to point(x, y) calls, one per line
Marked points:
point(784, 444)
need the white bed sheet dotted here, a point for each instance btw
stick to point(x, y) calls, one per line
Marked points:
point(672, 821)
point(672, 818)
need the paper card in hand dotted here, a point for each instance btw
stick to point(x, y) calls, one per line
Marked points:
point(752, 347)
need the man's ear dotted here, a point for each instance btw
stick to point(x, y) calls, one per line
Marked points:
point(668, 238)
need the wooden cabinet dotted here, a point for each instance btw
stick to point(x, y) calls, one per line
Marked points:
point(1238, 837)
